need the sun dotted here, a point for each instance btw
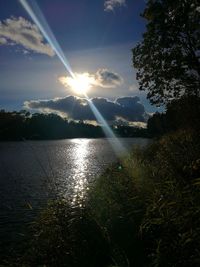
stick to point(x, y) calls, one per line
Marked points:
point(80, 83)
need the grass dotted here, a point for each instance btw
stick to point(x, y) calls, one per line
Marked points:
point(143, 211)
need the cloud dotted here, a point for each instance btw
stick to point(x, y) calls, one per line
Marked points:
point(123, 108)
point(20, 31)
point(107, 79)
point(102, 78)
point(3, 40)
point(133, 88)
point(110, 5)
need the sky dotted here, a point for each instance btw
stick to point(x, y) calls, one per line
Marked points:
point(96, 37)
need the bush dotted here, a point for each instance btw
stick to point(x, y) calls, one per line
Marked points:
point(66, 235)
point(171, 223)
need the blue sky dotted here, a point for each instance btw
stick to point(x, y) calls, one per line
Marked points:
point(94, 35)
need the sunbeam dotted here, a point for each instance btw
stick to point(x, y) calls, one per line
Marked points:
point(32, 8)
point(115, 143)
point(77, 81)
point(81, 84)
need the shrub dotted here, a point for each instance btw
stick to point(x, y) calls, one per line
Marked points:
point(66, 235)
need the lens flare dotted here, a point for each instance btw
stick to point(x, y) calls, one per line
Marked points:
point(81, 83)
point(32, 8)
point(114, 141)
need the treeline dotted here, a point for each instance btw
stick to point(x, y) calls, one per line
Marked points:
point(181, 113)
point(22, 125)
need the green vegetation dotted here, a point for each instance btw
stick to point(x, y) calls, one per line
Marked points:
point(143, 211)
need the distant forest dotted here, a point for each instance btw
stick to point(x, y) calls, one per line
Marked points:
point(181, 113)
point(22, 125)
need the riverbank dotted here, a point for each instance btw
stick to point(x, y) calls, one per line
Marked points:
point(143, 211)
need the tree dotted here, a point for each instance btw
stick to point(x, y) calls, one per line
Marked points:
point(168, 58)
point(181, 113)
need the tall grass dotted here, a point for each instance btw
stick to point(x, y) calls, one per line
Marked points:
point(143, 211)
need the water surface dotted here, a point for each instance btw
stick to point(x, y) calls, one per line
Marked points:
point(32, 172)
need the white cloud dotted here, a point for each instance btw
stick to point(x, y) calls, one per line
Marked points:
point(110, 5)
point(22, 32)
point(102, 78)
point(133, 88)
point(3, 40)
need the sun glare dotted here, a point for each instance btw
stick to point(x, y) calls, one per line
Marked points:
point(81, 84)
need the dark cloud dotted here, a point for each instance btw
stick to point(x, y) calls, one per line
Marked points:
point(107, 78)
point(125, 108)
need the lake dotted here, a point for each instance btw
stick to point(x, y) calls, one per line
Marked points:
point(32, 172)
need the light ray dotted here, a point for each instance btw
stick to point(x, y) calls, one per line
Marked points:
point(32, 8)
point(114, 141)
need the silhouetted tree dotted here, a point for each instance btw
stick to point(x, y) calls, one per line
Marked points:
point(12, 124)
point(155, 124)
point(22, 125)
point(181, 113)
point(168, 58)
point(184, 113)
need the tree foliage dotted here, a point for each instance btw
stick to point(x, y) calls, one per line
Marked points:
point(25, 126)
point(181, 113)
point(168, 58)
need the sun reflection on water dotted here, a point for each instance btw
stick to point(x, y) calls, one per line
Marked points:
point(80, 153)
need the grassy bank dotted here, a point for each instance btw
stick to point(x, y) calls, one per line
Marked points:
point(143, 211)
